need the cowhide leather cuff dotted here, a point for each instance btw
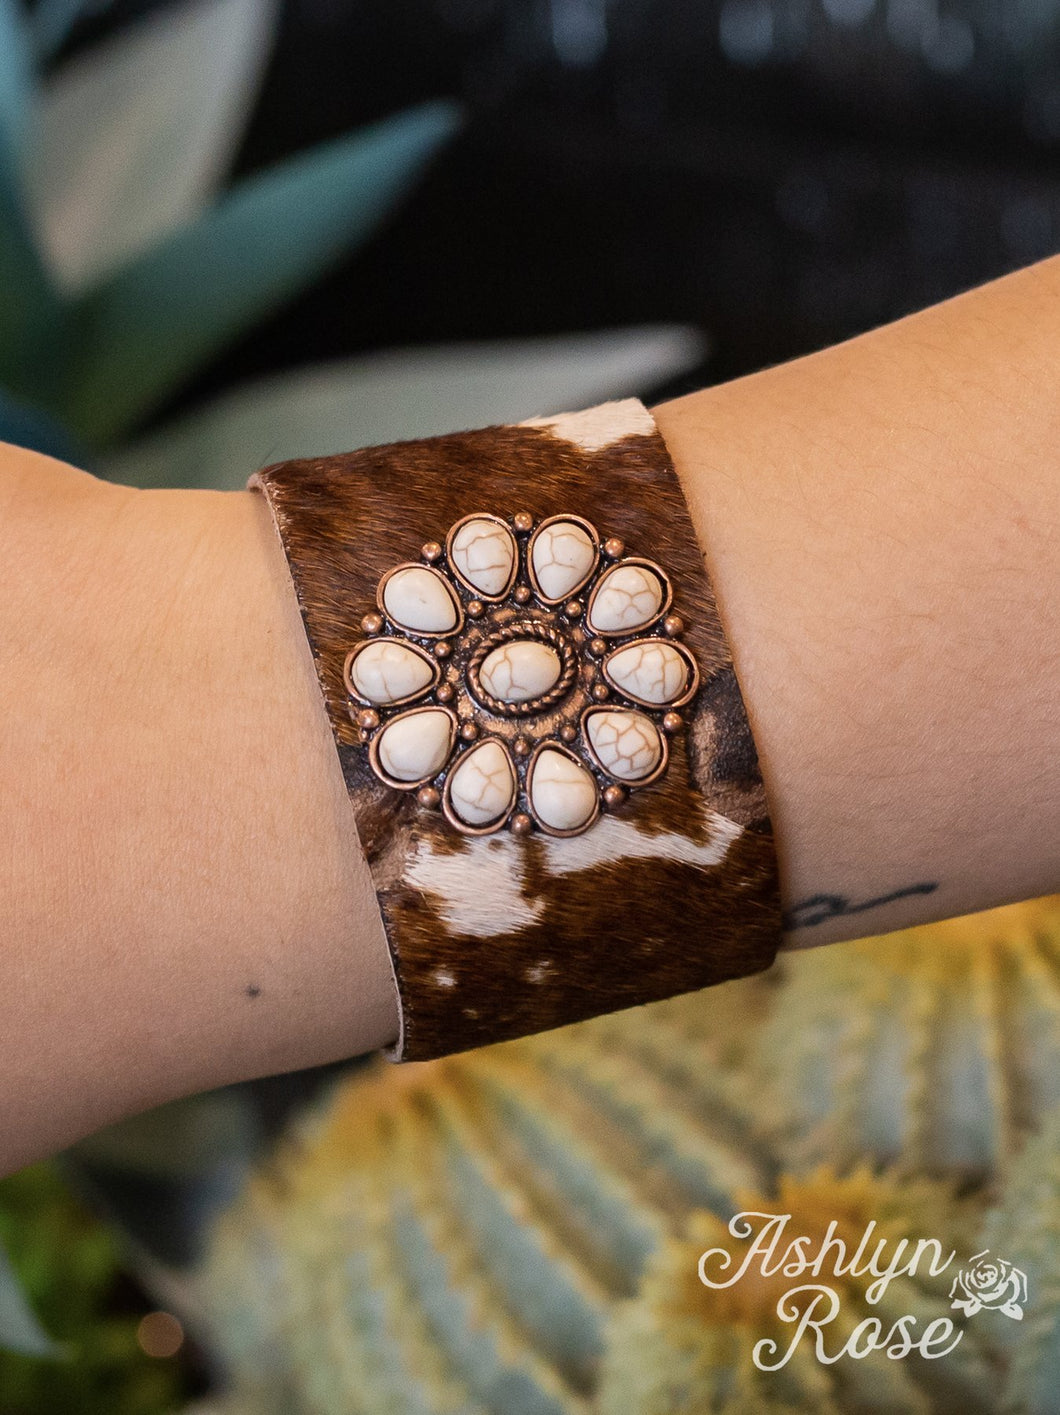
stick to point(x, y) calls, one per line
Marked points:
point(550, 764)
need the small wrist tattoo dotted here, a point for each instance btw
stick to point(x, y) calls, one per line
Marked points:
point(819, 907)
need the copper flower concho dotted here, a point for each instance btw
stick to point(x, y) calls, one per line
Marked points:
point(521, 676)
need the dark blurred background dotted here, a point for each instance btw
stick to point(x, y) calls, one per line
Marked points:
point(783, 173)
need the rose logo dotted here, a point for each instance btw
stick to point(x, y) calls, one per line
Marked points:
point(989, 1283)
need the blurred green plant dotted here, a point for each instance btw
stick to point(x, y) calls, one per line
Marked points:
point(123, 268)
point(68, 1267)
point(118, 277)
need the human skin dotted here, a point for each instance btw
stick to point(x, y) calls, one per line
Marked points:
point(183, 900)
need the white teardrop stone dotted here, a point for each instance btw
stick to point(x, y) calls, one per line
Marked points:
point(415, 745)
point(520, 670)
point(625, 743)
point(483, 552)
point(562, 793)
point(562, 556)
point(419, 599)
point(482, 784)
point(388, 671)
point(652, 672)
point(627, 598)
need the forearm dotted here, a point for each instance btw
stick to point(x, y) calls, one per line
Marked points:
point(184, 901)
point(882, 522)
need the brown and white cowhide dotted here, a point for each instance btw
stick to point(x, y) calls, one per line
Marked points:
point(501, 935)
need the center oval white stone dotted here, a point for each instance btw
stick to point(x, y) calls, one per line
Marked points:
point(562, 792)
point(482, 785)
point(419, 599)
point(415, 745)
point(389, 671)
point(520, 670)
point(625, 743)
point(563, 556)
point(627, 598)
point(483, 553)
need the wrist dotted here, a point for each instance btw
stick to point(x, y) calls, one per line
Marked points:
point(275, 874)
point(187, 898)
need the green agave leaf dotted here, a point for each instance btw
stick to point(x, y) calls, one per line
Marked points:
point(50, 21)
point(401, 394)
point(159, 1178)
point(150, 324)
point(29, 308)
point(134, 134)
point(32, 319)
point(180, 1140)
point(29, 427)
point(19, 1329)
point(16, 77)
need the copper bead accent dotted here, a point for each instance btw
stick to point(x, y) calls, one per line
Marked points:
point(597, 647)
point(672, 722)
point(443, 649)
point(523, 521)
point(613, 547)
point(444, 693)
point(568, 732)
point(469, 730)
point(429, 797)
point(522, 594)
point(614, 796)
point(368, 719)
point(372, 623)
point(573, 609)
point(431, 551)
point(673, 625)
point(475, 609)
point(520, 824)
point(601, 692)
point(521, 746)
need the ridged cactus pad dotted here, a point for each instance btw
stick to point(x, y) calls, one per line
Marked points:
point(936, 1049)
point(453, 1236)
point(1024, 1231)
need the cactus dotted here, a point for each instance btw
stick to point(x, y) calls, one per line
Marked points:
point(514, 1231)
point(1024, 1230)
point(936, 1049)
point(452, 1236)
point(680, 1346)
